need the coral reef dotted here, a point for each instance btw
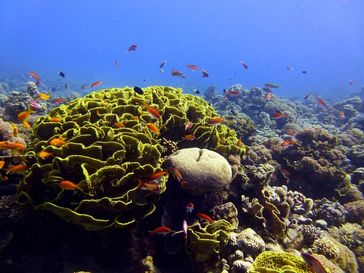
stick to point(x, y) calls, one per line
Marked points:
point(279, 262)
point(106, 144)
point(202, 170)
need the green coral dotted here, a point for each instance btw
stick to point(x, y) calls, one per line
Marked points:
point(279, 262)
point(109, 148)
point(205, 243)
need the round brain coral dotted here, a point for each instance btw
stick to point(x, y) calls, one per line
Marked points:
point(108, 147)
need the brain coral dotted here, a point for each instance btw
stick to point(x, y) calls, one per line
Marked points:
point(106, 143)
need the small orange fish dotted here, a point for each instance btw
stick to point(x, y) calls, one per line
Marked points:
point(239, 142)
point(268, 96)
point(67, 185)
point(58, 142)
point(341, 114)
point(34, 75)
point(44, 96)
point(55, 119)
point(177, 73)
point(24, 115)
point(190, 137)
point(193, 67)
point(19, 169)
point(160, 230)
point(94, 84)
point(214, 121)
point(12, 146)
point(153, 128)
point(233, 92)
point(149, 186)
point(44, 154)
point(204, 217)
point(204, 73)
point(15, 130)
point(2, 164)
point(314, 264)
point(289, 142)
point(26, 124)
point(321, 101)
point(119, 124)
point(153, 112)
point(278, 114)
point(175, 173)
point(157, 175)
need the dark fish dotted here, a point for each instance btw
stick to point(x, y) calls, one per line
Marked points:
point(304, 71)
point(138, 90)
point(61, 74)
point(66, 86)
point(244, 65)
point(196, 91)
point(133, 47)
point(84, 86)
point(53, 89)
point(204, 73)
point(314, 264)
point(177, 73)
point(267, 89)
point(271, 85)
point(162, 64)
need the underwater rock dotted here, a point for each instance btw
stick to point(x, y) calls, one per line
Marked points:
point(203, 170)
point(356, 155)
point(248, 241)
point(355, 211)
point(226, 211)
point(332, 212)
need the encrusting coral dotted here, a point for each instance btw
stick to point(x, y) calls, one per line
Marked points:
point(107, 145)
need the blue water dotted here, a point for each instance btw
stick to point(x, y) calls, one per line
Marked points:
point(84, 38)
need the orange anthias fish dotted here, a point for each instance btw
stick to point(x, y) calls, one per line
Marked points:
point(157, 175)
point(26, 124)
point(55, 119)
point(12, 146)
point(119, 124)
point(149, 186)
point(153, 128)
point(160, 230)
point(59, 100)
point(94, 84)
point(68, 185)
point(204, 73)
point(321, 101)
point(2, 164)
point(34, 75)
point(233, 92)
point(268, 96)
point(204, 217)
point(289, 142)
point(19, 169)
point(189, 137)
point(314, 264)
point(44, 154)
point(341, 114)
point(24, 115)
point(44, 96)
point(177, 73)
point(193, 67)
point(278, 114)
point(58, 142)
point(216, 120)
point(153, 112)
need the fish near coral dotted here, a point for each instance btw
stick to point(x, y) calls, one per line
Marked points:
point(216, 120)
point(58, 142)
point(119, 124)
point(314, 264)
point(44, 96)
point(68, 185)
point(160, 230)
point(149, 186)
point(19, 169)
point(24, 115)
point(153, 112)
point(152, 127)
point(2, 164)
point(4, 145)
point(278, 115)
point(190, 137)
point(26, 124)
point(44, 154)
point(205, 217)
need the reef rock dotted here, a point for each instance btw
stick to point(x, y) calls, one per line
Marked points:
point(203, 170)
